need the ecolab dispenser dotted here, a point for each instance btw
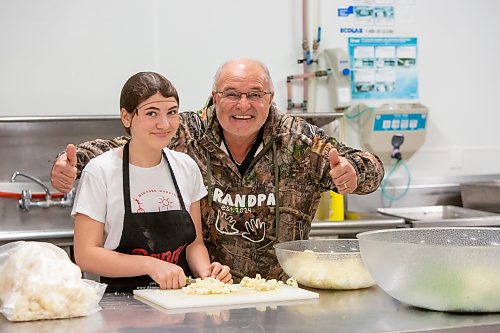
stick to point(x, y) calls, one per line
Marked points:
point(394, 131)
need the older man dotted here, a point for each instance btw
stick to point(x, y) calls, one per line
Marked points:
point(264, 170)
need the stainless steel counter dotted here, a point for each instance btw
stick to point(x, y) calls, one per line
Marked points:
point(444, 215)
point(368, 310)
point(355, 223)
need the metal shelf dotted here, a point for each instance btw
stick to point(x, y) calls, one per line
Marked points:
point(318, 119)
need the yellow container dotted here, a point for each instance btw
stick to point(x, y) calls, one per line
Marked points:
point(336, 207)
point(331, 207)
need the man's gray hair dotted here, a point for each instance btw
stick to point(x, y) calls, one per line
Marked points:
point(264, 67)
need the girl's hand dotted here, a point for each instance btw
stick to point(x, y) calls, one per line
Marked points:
point(167, 275)
point(218, 271)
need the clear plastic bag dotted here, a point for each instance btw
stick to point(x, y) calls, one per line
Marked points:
point(39, 281)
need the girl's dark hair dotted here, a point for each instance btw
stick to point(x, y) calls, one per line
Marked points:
point(141, 86)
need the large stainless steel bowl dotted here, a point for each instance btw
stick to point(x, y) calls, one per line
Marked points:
point(443, 269)
point(324, 263)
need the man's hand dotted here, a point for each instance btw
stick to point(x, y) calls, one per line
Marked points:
point(64, 171)
point(343, 173)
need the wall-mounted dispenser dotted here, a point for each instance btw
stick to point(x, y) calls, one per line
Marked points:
point(384, 130)
point(339, 82)
point(396, 141)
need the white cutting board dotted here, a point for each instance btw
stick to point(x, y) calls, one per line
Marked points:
point(176, 299)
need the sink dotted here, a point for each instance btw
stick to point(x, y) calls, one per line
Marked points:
point(445, 216)
point(481, 195)
point(53, 224)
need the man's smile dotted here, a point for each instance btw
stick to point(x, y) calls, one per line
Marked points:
point(242, 117)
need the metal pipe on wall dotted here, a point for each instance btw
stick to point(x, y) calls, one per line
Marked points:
point(303, 76)
point(311, 103)
point(305, 48)
point(308, 86)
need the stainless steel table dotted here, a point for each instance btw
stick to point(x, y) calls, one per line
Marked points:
point(359, 222)
point(368, 310)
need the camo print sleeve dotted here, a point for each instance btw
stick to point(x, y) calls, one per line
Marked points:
point(368, 166)
point(88, 150)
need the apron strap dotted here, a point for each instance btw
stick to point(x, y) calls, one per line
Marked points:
point(126, 179)
point(181, 200)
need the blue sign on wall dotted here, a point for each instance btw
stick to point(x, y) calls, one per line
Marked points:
point(383, 67)
point(400, 122)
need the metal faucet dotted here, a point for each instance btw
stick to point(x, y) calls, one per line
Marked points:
point(25, 203)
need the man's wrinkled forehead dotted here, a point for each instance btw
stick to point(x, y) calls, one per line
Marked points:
point(248, 73)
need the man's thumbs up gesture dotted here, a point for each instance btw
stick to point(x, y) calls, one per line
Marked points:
point(343, 173)
point(63, 173)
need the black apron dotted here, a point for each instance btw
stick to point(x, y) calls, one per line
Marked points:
point(163, 235)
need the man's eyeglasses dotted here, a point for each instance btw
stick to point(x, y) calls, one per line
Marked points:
point(235, 96)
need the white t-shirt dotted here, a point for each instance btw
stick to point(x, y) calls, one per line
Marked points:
point(100, 192)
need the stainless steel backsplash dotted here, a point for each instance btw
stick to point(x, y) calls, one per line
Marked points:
point(30, 145)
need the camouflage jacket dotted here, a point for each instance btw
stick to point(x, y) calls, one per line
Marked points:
point(241, 221)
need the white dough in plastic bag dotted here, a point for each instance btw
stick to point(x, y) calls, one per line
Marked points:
point(39, 281)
